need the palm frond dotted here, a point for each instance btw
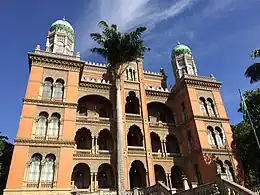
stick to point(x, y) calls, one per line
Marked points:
point(253, 72)
point(255, 53)
point(98, 38)
point(114, 27)
point(101, 51)
point(103, 24)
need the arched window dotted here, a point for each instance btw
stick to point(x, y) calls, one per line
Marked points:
point(105, 176)
point(156, 142)
point(48, 168)
point(203, 106)
point(229, 171)
point(219, 166)
point(159, 173)
point(47, 88)
point(83, 139)
point(81, 176)
point(41, 126)
point(58, 90)
point(211, 136)
point(172, 144)
point(54, 125)
point(105, 141)
point(132, 103)
point(135, 136)
point(219, 136)
point(211, 107)
point(34, 168)
point(137, 175)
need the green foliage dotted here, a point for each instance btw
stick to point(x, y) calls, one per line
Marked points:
point(119, 48)
point(6, 151)
point(246, 146)
point(253, 71)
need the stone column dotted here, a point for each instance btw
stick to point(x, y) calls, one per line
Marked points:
point(95, 182)
point(162, 145)
point(93, 144)
point(91, 182)
point(167, 180)
point(170, 181)
point(165, 149)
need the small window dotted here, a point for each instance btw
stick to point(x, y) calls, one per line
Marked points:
point(47, 88)
point(58, 90)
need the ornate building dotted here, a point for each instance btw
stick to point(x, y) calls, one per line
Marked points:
point(66, 139)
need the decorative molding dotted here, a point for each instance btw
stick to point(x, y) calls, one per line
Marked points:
point(164, 94)
point(221, 151)
point(50, 103)
point(92, 120)
point(209, 118)
point(95, 85)
point(42, 143)
point(59, 61)
point(133, 117)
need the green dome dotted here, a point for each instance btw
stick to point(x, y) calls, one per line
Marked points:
point(180, 49)
point(62, 25)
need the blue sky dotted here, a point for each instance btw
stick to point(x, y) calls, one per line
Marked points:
point(221, 34)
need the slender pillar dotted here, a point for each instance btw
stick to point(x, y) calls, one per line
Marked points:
point(93, 144)
point(167, 180)
point(170, 180)
point(164, 147)
point(91, 182)
point(95, 182)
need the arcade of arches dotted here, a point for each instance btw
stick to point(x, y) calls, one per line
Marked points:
point(83, 178)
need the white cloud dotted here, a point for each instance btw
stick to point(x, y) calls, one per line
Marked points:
point(127, 14)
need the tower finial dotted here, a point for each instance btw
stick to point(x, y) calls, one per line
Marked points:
point(64, 18)
point(178, 43)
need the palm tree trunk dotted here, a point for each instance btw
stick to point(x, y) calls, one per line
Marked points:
point(120, 140)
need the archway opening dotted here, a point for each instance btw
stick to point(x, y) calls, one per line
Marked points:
point(137, 175)
point(105, 140)
point(105, 176)
point(159, 173)
point(135, 136)
point(81, 176)
point(159, 112)
point(132, 103)
point(94, 106)
point(83, 139)
point(156, 142)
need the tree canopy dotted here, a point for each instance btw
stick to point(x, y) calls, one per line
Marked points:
point(119, 48)
point(253, 71)
point(245, 143)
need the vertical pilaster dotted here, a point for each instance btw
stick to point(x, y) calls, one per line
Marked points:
point(148, 146)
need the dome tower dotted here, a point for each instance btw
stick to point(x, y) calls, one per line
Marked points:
point(182, 61)
point(61, 38)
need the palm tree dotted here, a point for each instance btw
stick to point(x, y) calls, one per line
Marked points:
point(119, 49)
point(253, 71)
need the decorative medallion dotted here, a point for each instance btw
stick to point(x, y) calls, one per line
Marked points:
point(208, 158)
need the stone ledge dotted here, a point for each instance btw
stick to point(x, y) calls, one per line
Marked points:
point(50, 103)
point(42, 143)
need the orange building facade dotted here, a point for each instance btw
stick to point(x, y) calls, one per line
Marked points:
point(66, 140)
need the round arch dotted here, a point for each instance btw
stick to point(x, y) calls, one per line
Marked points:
point(137, 175)
point(159, 173)
point(172, 144)
point(160, 112)
point(134, 136)
point(105, 176)
point(95, 106)
point(156, 142)
point(105, 140)
point(83, 139)
point(81, 176)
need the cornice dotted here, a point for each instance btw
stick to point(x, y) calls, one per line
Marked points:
point(39, 142)
point(47, 59)
point(221, 151)
point(208, 118)
point(94, 120)
point(157, 93)
point(133, 117)
point(102, 86)
point(199, 82)
point(50, 103)
point(98, 156)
